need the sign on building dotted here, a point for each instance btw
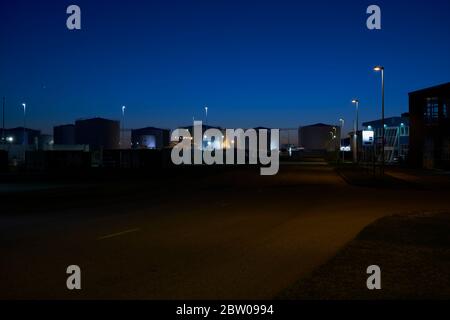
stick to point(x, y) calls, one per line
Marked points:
point(367, 138)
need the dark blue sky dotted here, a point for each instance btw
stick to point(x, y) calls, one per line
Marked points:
point(253, 63)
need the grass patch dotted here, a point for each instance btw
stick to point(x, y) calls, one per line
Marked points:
point(412, 250)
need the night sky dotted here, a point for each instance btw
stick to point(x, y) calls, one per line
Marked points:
point(253, 63)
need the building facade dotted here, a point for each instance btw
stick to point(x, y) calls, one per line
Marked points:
point(429, 111)
point(150, 138)
point(64, 134)
point(22, 136)
point(206, 142)
point(319, 137)
point(396, 137)
point(98, 133)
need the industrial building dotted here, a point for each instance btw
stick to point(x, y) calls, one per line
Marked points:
point(429, 111)
point(18, 141)
point(319, 137)
point(396, 137)
point(205, 141)
point(98, 133)
point(270, 145)
point(45, 142)
point(150, 138)
point(20, 135)
point(64, 134)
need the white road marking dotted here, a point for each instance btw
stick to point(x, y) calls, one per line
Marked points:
point(118, 234)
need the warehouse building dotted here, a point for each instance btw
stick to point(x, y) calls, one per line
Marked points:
point(150, 138)
point(319, 137)
point(396, 137)
point(22, 136)
point(64, 134)
point(98, 133)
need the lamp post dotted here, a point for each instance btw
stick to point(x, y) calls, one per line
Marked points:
point(334, 143)
point(3, 121)
point(333, 137)
point(123, 125)
point(340, 138)
point(206, 113)
point(381, 69)
point(24, 121)
point(356, 128)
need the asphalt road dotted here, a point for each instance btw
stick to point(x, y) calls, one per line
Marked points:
point(231, 235)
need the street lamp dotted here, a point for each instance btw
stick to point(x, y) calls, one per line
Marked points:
point(333, 142)
point(381, 69)
point(24, 120)
point(356, 128)
point(3, 121)
point(206, 113)
point(340, 138)
point(123, 124)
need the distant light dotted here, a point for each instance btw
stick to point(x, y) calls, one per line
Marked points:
point(385, 125)
point(355, 101)
point(10, 139)
point(378, 68)
point(369, 127)
point(402, 124)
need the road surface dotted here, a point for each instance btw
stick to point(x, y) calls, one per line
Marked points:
point(231, 235)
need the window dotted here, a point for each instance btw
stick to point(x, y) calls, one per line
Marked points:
point(431, 113)
point(446, 109)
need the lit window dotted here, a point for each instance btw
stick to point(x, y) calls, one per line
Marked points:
point(431, 113)
point(445, 109)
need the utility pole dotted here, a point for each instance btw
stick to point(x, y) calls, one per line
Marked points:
point(342, 121)
point(356, 129)
point(382, 121)
point(381, 69)
point(3, 121)
point(24, 124)
point(122, 131)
